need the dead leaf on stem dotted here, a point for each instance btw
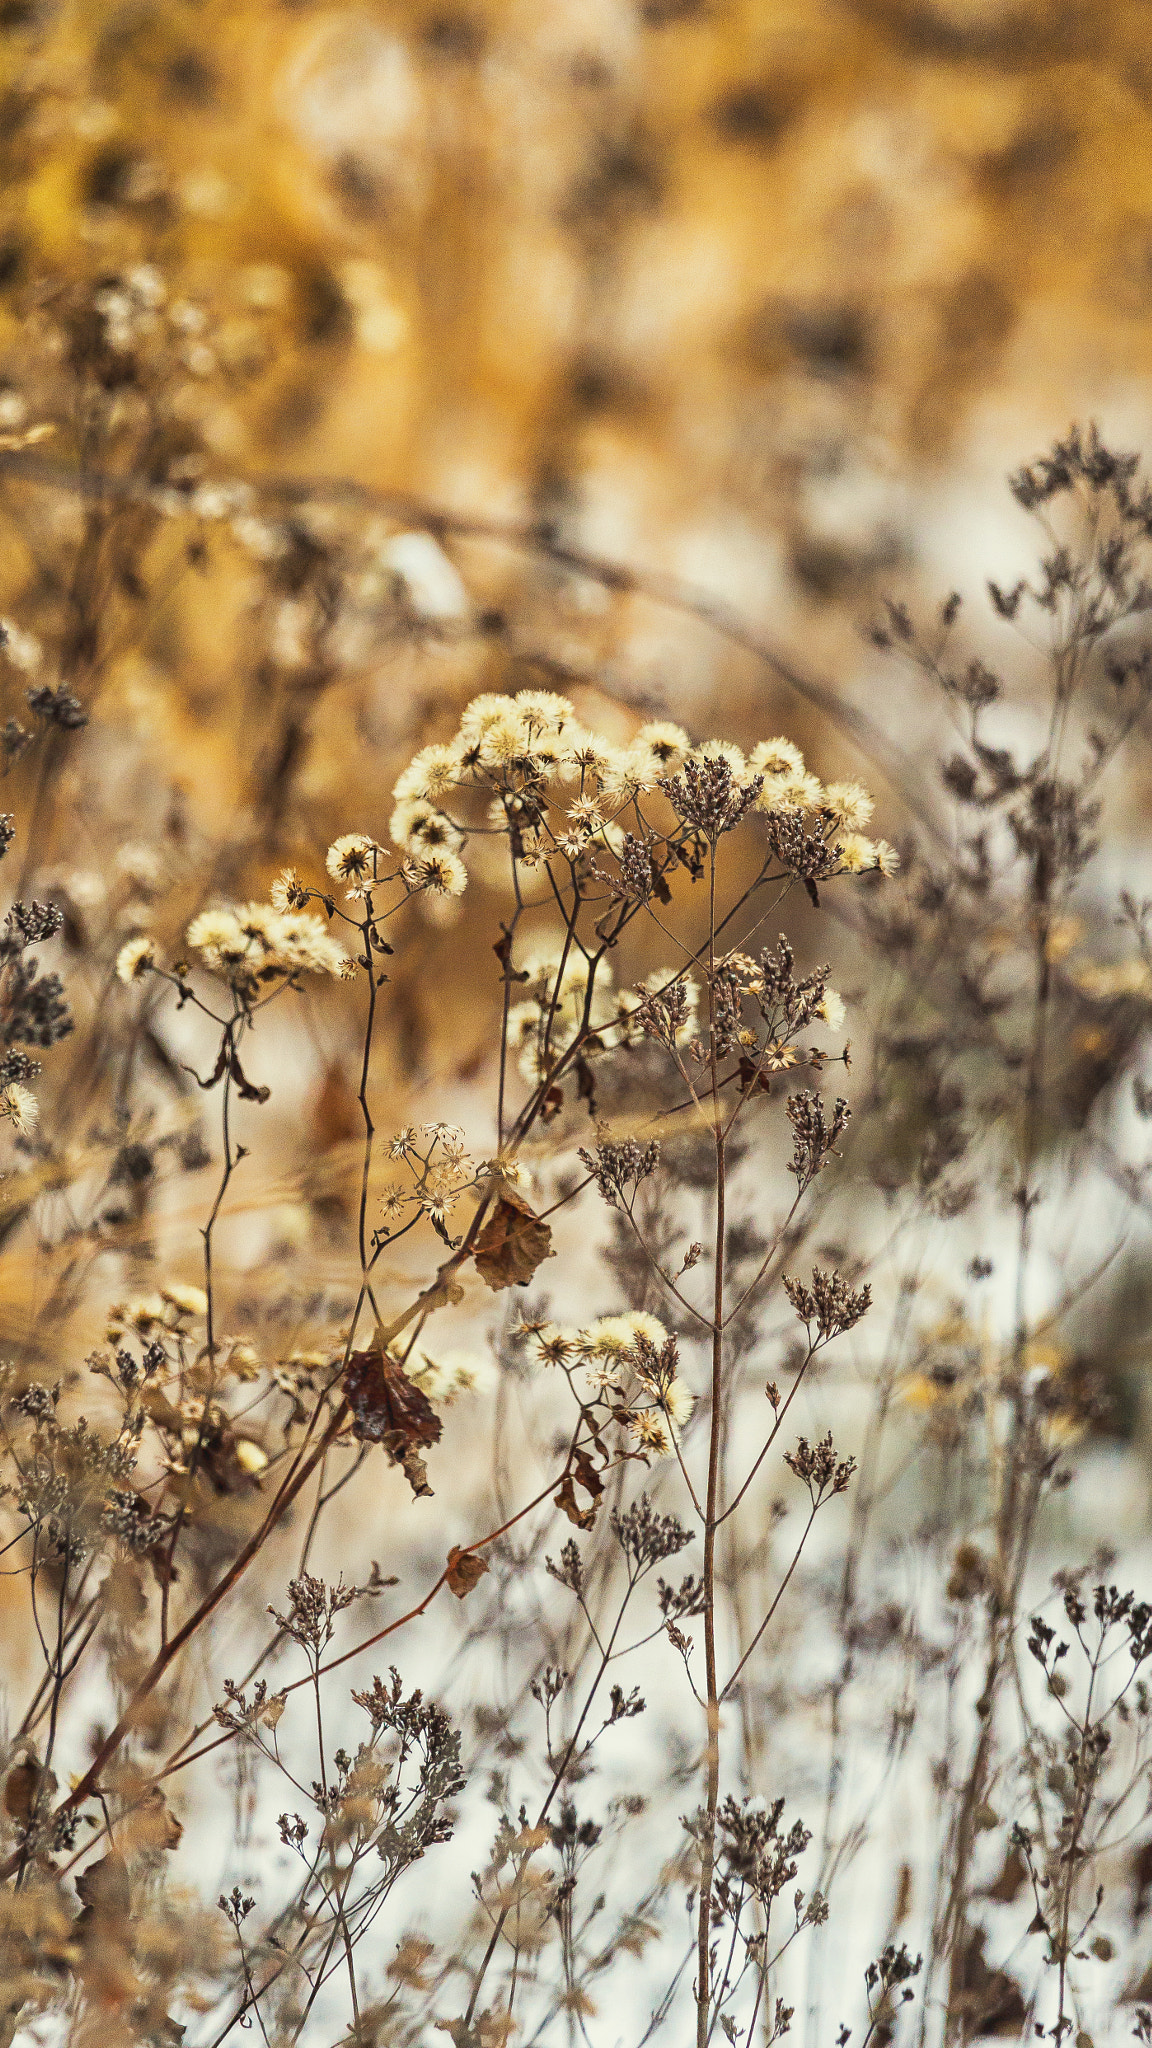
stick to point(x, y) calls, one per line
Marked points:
point(387, 1409)
point(465, 1570)
point(512, 1244)
point(583, 1470)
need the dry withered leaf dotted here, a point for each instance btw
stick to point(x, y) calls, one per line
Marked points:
point(512, 1243)
point(386, 1407)
point(465, 1570)
point(415, 1471)
point(24, 1783)
point(584, 1470)
point(104, 1891)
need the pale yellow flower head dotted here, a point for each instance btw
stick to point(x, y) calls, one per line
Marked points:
point(134, 959)
point(439, 870)
point(19, 1107)
point(352, 859)
point(849, 803)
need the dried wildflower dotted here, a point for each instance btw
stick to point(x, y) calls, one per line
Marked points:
point(430, 774)
point(418, 826)
point(829, 1305)
point(857, 854)
point(663, 745)
point(830, 1009)
point(440, 872)
point(646, 1537)
point(677, 1401)
point(185, 1299)
point(255, 943)
point(804, 854)
point(544, 711)
point(618, 1167)
point(353, 859)
point(778, 1057)
point(814, 1135)
point(613, 1336)
point(288, 891)
point(823, 1473)
point(58, 707)
point(135, 958)
point(19, 1107)
point(775, 758)
point(454, 1370)
point(666, 1013)
point(848, 804)
point(636, 872)
point(710, 792)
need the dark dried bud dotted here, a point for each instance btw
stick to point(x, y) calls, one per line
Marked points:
point(829, 1303)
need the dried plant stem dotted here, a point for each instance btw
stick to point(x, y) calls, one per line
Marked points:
point(712, 1511)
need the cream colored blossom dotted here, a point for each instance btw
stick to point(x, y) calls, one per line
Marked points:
point(590, 755)
point(775, 758)
point(217, 936)
point(513, 1171)
point(555, 1343)
point(430, 773)
point(492, 731)
point(256, 942)
point(19, 1107)
point(613, 1335)
point(857, 854)
point(439, 870)
point(677, 1400)
point(135, 958)
point(794, 791)
point(299, 941)
point(831, 1009)
point(416, 824)
point(887, 858)
point(586, 814)
point(352, 859)
point(665, 745)
point(724, 750)
point(1121, 978)
point(849, 803)
point(544, 711)
point(287, 891)
point(454, 1371)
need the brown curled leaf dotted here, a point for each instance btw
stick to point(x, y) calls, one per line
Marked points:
point(583, 1470)
point(512, 1243)
point(465, 1570)
point(415, 1472)
point(388, 1409)
point(26, 1783)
